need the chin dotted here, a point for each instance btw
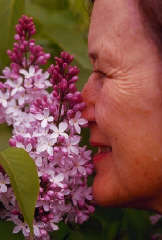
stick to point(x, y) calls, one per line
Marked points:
point(103, 197)
point(115, 197)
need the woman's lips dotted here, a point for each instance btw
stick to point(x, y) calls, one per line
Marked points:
point(99, 156)
point(104, 151)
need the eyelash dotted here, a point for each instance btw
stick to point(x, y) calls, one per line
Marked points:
point(101, 74)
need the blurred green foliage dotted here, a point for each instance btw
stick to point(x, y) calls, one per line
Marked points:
point(63, 25)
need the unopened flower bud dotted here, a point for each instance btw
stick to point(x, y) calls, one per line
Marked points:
point(91, 209)
point(70, 114)
point(12, 142)
point(63, 84)
point(45, 178)
point(73, 79)
point(72, 87)
point(17, 37)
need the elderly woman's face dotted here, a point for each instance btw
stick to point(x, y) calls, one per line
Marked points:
point(124, 107)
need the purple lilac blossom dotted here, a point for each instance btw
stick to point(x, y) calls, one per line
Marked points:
point(47, 125)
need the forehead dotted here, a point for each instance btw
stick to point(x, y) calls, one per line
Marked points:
point(113, 23)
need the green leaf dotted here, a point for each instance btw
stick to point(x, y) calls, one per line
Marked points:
point(6, 229)
point(24, 180)
point(52, 4)
point(138, 224)
point(92, 230)
point(10, 12)
point(61, 28)
point(63, 231)
point(5, 135)
point(111, 220)
point(77, 235)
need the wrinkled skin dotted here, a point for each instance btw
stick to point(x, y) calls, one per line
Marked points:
point(124, 107)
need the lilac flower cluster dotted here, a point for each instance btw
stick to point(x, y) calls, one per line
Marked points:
point(44, 109)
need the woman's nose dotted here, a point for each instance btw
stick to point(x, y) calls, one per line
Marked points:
point(89, 97)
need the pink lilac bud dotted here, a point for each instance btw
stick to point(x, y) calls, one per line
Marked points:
point(67, 57)
point(70, 114)
point(72, 87)
point(91, 209)
point(89, 171)
point(12, 142)
point(69, 96)
point(73, 79)
point(17, 37)
point(25, 27)
point(63, 84)
point(24, 30)
point(77, 107)
point(77, 97)
point(82, 105)
point(73, 70)
point(45, 178)
point(20, 138)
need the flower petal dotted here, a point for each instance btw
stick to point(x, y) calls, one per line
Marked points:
point(63, 126)
point(44, 123)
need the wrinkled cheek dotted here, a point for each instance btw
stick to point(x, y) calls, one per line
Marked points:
point(139, 174)
point(106, 118)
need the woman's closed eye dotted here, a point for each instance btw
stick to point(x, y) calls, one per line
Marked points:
point(99, 74)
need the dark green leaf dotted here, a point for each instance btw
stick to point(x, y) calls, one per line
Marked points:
point(62, 29)
point(6, 229)
point(24, 180)
point(138, 225)
point(77, 235)
point(5, 134)
point(10, 12)
point(111, 220)
point(92, 230)
point(63, 231)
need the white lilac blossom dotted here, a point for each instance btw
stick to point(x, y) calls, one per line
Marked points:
point(46, 124)
point(77, 121)
point(44, 118)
